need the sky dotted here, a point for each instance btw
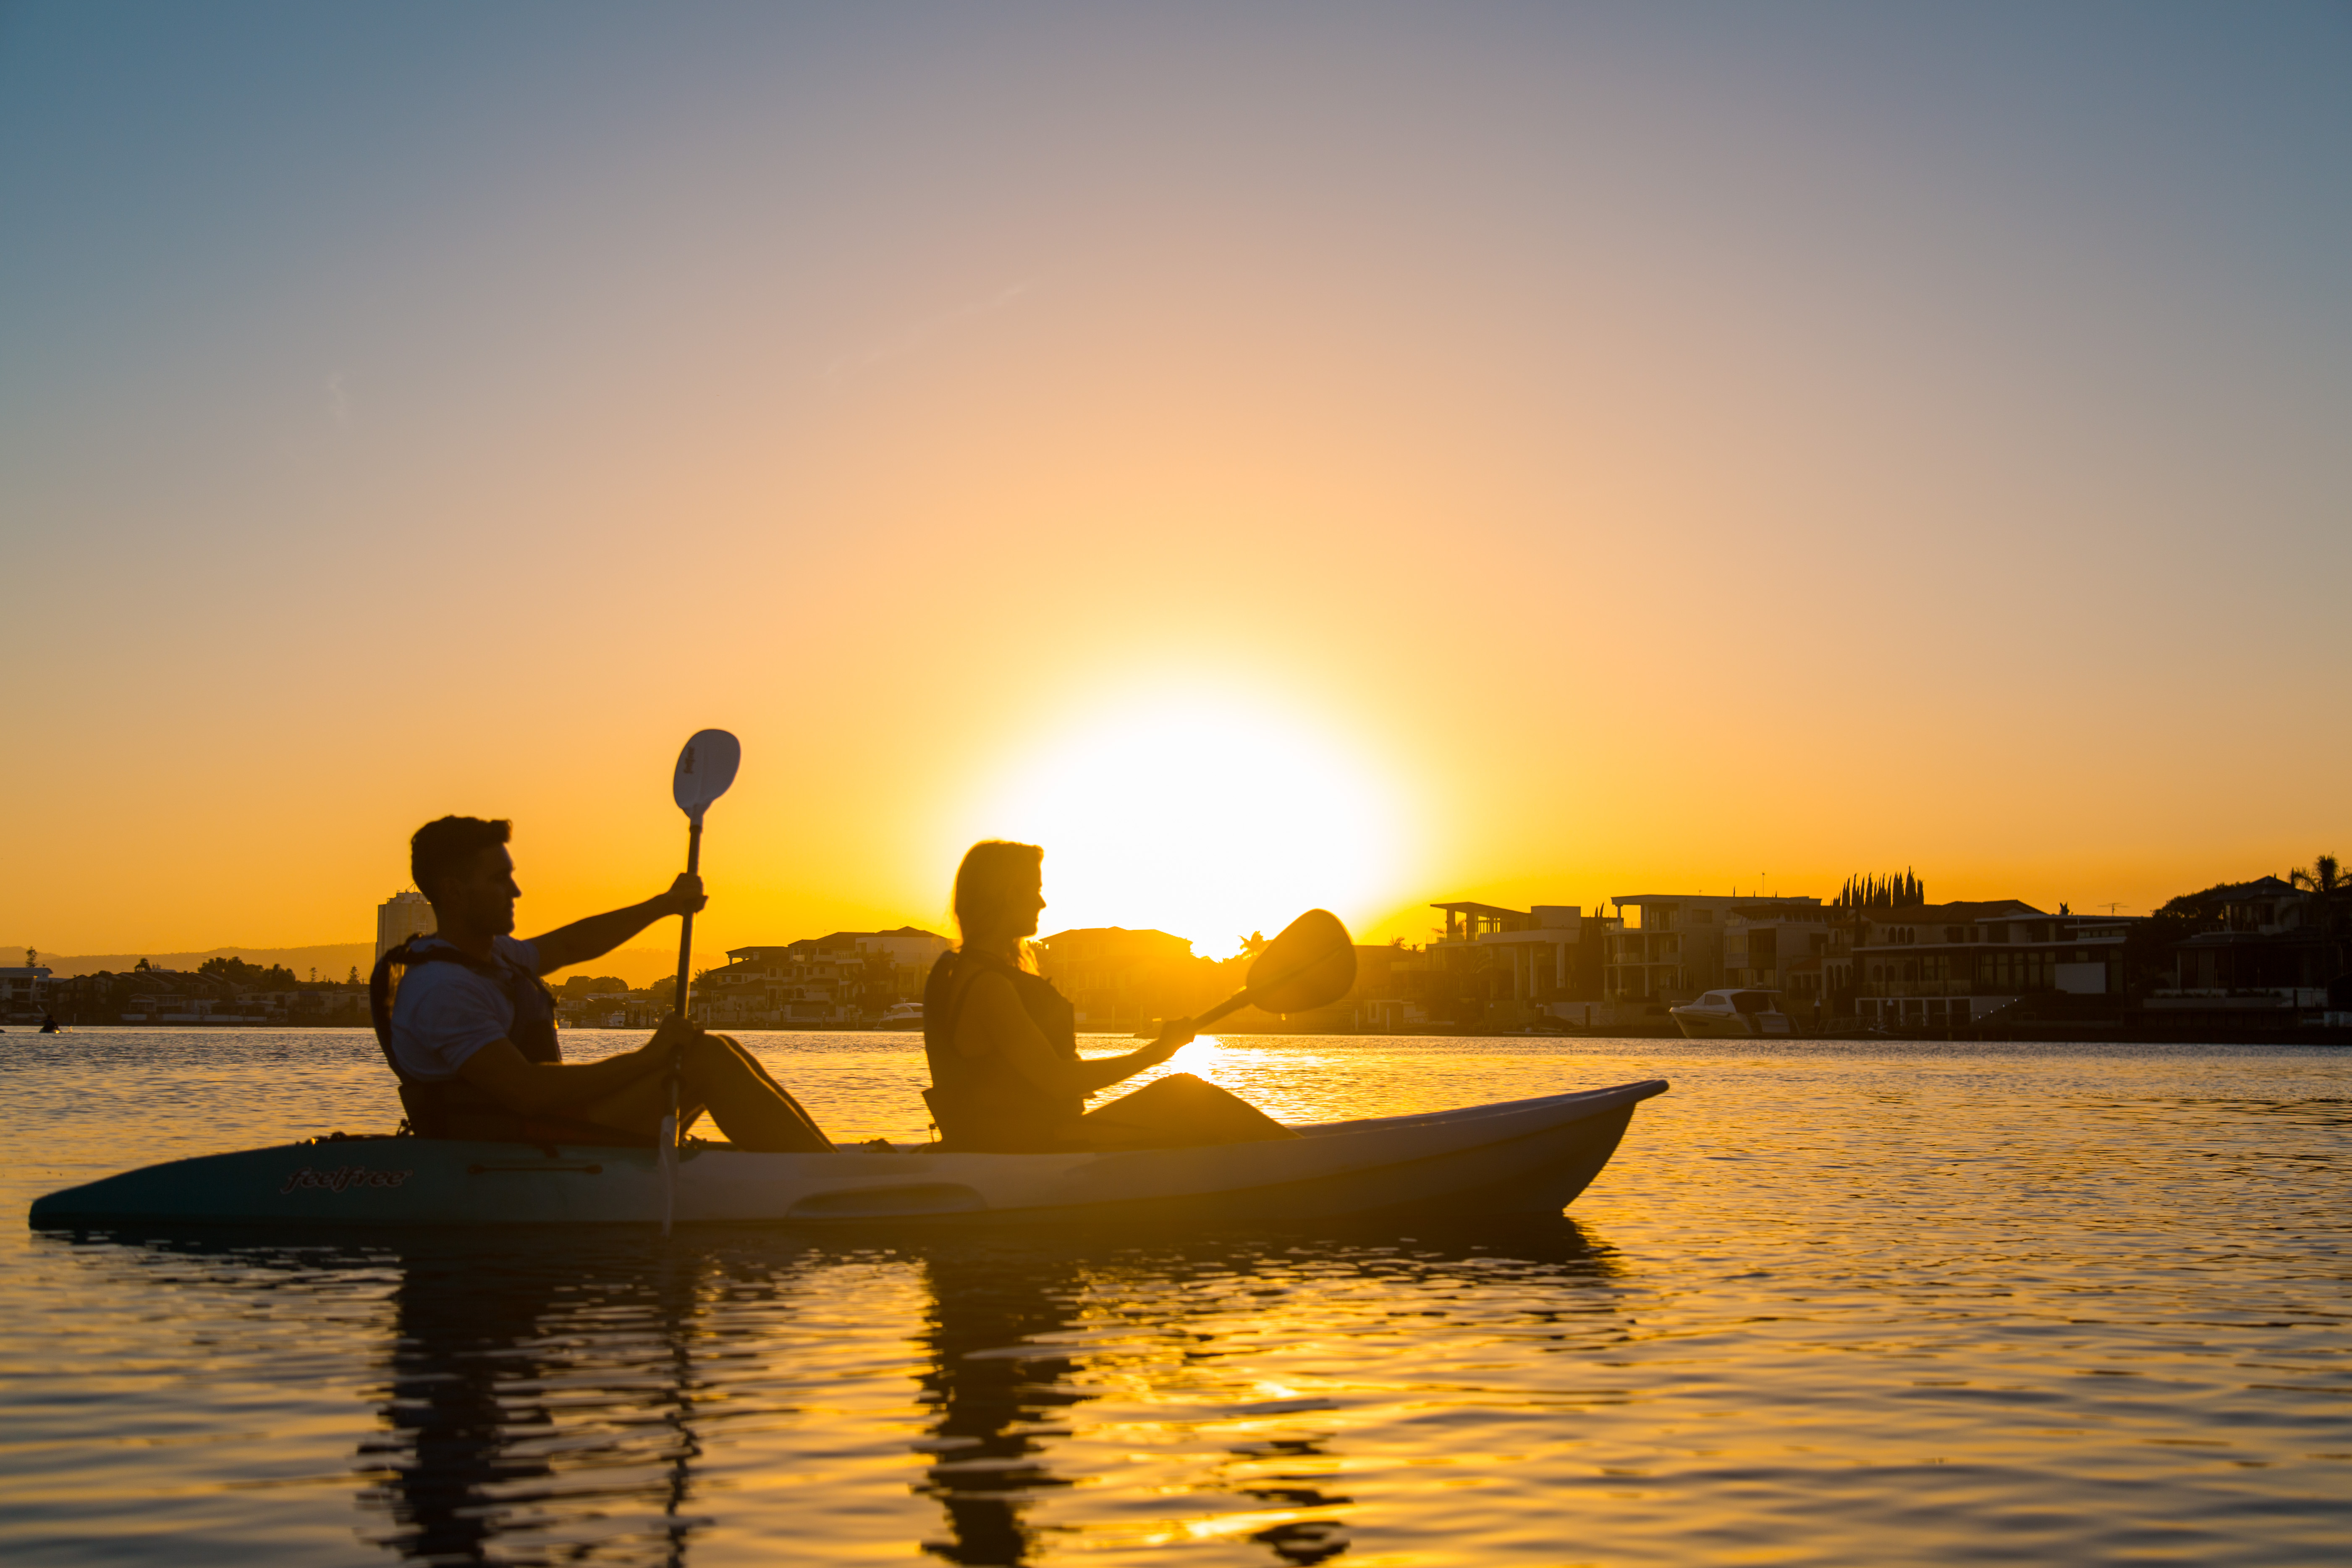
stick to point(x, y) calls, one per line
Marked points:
point(1346, 455)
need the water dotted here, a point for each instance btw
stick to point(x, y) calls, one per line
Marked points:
point(1830, 1304)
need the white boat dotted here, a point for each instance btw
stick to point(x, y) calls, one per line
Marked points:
point(1523, 1156)
point(902, 1016)
point(1735, 1014)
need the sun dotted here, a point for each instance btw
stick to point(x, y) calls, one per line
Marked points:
point(1208, 818)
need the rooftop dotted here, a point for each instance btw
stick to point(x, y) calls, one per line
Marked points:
point(832, 942)
point(1712, 900)
point(1957, 912)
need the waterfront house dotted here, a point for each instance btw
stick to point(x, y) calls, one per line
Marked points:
point(1675, 948)
point(1122, 979)
point(1793, 947)
point(898, 963)
point(810, 983)
point(1391, 993)
point(1939, 967)
point(23, 993)
point(2257, 956)
point(834, 981)
point(1504, 968)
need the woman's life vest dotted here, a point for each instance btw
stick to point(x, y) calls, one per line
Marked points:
point(983, 1104)
point(452, 1107)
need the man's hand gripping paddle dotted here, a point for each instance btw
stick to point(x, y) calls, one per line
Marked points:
point(705, 769)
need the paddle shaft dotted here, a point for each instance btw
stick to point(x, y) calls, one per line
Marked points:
point(670, 1124)
point(685, 922)
point(1232, 1003)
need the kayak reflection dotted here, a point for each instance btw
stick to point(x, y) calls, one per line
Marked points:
point(995, 1392)
point(602, 1397)
point(539, 1400)
point(1037, 1348)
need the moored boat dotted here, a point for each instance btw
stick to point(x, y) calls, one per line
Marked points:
point(1739, 1014)
point(902, 1016)
point(1525, 1156)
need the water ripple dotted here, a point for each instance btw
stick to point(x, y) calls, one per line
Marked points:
point(1832, 1304)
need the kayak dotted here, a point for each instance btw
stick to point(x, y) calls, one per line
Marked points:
point(1516, 1157)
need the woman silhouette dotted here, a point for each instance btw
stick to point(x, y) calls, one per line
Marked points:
point(1006, 1076)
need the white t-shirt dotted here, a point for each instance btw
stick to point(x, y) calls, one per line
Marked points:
point(444, 1013)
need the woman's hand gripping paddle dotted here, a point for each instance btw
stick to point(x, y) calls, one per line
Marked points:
point(1309, 966)
point(705, 769)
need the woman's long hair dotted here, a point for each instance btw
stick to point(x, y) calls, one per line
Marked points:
point(996, 872)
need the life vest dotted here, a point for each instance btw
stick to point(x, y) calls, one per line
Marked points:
point(986, 1105)
point(452, 1107)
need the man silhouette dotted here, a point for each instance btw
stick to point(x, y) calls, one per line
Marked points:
point(469, 1028)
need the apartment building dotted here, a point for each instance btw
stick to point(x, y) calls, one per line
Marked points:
point(404, 914)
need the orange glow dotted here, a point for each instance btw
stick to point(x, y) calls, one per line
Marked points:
point(1571, 475)
point(1206, 816)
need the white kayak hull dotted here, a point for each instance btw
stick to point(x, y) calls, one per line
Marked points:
point(1519, 1157)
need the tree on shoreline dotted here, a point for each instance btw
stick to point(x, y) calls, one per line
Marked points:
point(1899, 892)
point(249, 976)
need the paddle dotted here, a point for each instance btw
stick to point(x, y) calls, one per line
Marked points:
point(1309, 966)
point(705, 769)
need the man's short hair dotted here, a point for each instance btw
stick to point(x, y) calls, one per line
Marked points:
point(446, 844)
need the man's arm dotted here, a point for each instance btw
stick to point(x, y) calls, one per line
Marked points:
point(599, 934)
point(502, 1072)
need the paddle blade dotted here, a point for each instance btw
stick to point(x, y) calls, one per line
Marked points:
point(705, 769)
point(1311, 965)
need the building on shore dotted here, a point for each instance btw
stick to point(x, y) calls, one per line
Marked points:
point(1506, 968)
point(1391, 993)
point(2256, 956)
point(404, 914)
point(907, 953)
point(24, 994)
point(179, 996)
point(1676, 948)
point(835, 980)
point(1801, 950)
point(1395, 991)
point(1942, 966)
point(1121, 980)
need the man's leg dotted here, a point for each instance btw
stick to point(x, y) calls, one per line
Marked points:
point(639, 1109)
point(719, 1074)
point(752, 1108)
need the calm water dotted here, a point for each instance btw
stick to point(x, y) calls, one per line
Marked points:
point(1830, 1304)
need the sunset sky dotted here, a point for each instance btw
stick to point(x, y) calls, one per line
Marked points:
point(1273, 456)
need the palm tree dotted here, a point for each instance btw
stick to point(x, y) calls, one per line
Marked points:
point(2325, 880)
